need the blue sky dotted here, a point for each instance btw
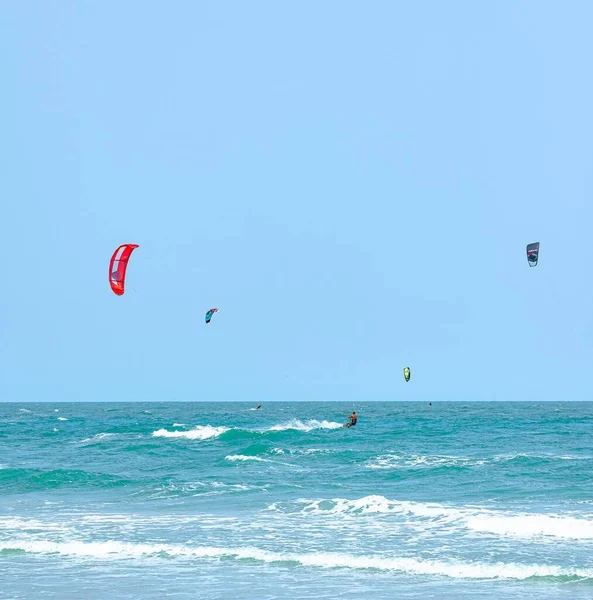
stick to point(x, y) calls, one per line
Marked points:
point(352, 184)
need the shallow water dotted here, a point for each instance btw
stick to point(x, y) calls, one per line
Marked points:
point(218, 500)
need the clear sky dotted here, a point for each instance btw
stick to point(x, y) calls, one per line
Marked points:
point(352, 183)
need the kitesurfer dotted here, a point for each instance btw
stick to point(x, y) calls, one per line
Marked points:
point(258, 407)
point(353, 418)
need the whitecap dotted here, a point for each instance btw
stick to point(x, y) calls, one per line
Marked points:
point(200, 432)
point(407, 461)
point(308, 425)
point(532, 525)
point(472, 519)
point(116, 550)
point(242, 457)
point(376, 504)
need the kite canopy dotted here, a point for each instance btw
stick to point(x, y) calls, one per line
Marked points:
point(532, 254)
point(118, 266)
point(407, 373)
point(209, 314)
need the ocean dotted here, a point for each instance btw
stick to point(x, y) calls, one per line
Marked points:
point(219, 500)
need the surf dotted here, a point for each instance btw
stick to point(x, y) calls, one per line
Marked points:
point(118, 550)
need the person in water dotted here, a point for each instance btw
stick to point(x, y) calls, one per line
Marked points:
point(353, 418)
point(258, 406)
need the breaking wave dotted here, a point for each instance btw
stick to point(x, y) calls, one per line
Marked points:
point(200, 432)
point(115, 550)
point(308, 425)
point(204, 432)
point(473, 519)
point(242, 457)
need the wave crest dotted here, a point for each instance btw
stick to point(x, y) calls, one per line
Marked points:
point(115, 550)
point(242, 457)
point(200, 432)
point(308, 425)
point(473, 519)
point(419, 461)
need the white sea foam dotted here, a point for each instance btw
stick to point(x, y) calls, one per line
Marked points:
point(73, 522)
point(527, 526)
point(99, 437)
point(115, 550)
point(231, 486)
point(308, 425)
point(407, 461)
point(31, 525)
point(542, 456)
point(200, 432)
point(62, 419)
point(376, 504)
point(198, 488)
point(295, 451)
point(203, 432)
point(241, 457)
point(140, 519)
point(472, 519)
point(411, 461)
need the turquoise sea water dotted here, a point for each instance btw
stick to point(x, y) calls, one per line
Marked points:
point(482, 500)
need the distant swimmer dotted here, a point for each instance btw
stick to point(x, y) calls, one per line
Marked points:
point(353, 418)
point(258, 407)
point(430, 404)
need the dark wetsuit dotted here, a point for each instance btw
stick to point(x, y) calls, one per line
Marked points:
point(352, 421)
